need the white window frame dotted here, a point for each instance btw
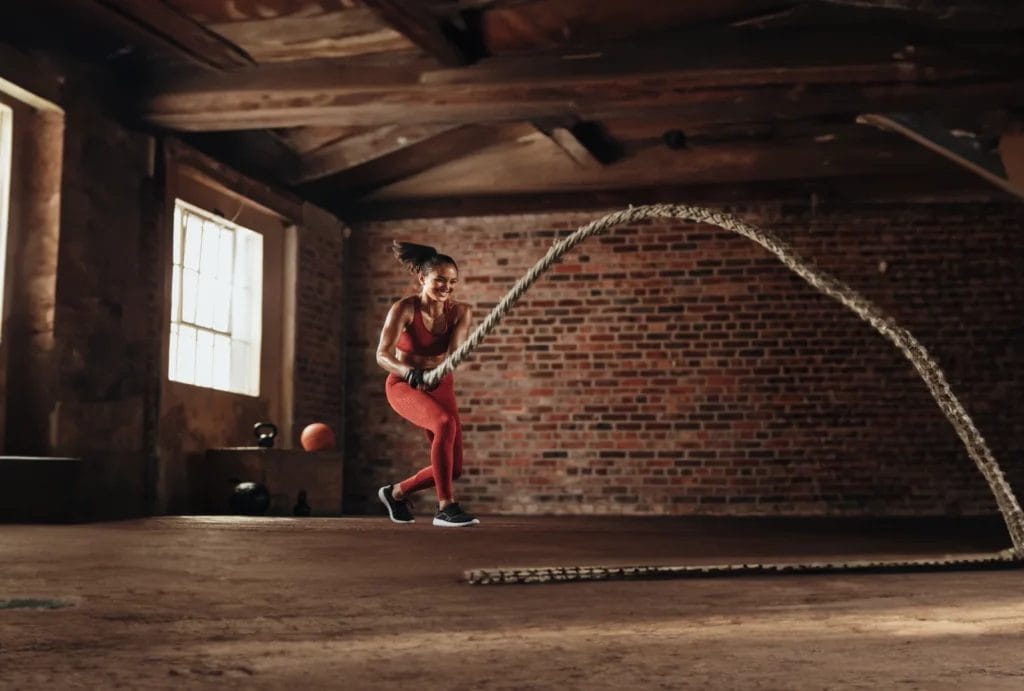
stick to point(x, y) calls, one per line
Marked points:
point(228, 325)
point(6, 172)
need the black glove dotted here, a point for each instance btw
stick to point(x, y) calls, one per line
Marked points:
point(414, 378)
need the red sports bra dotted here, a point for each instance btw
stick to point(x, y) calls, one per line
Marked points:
point(417, 339)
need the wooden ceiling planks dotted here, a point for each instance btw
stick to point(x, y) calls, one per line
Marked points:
point(425, 154)
point(261, 153)
point(540, 24)
point(115, 33)
point(351, 151)
point(305, 140)
point(941, 186)
point(536, 165)
point(438, 37)
point(182, 32)
point(347, 101)
point(298, 29)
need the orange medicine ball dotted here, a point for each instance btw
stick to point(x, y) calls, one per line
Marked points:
point(317, 437)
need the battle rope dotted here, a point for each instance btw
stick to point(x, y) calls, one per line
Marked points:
point(928, 370)
point(568, 574)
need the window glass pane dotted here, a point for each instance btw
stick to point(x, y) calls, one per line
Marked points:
point(176, 255)
point(186, 354)
point(204, 358)
point(254, 369)
point(225, 255)
point(211, 245)
point(193, 241)
point(256, 262)
point(207, 296)
point(189, 295)
point(222, 362)
point(239, 366)
point(175, 293)
point(172, 357)
point(243, 260)
point(222, 306)
point(241, 313)
point(6, 171)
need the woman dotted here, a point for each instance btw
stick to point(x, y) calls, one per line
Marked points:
point(418, 334)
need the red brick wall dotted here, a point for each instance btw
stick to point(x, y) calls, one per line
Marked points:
point(319, 327)
point(670, 368)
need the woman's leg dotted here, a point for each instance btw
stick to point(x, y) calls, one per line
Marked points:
point(426, 410)
point(445, 395)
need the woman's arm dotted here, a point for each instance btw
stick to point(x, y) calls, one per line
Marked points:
point(394, 324)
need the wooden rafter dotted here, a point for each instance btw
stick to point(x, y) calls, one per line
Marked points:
point(158, 22)
point(965, 152)
point(534, 165)
point(235, 109)
point(260, 153)
point(434, 35)
point(853, 189)
point(357, 150)
point(26, 80)
point(422, 155)
point(574, 148)
point(336, 31)
point(951, 9)
point(768, 77)
point(360, 148)
point(1011, 150)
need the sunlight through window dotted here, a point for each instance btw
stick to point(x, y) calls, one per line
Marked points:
point(6, 141)
point(216, 302)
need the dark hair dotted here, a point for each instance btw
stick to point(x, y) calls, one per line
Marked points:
point(420, 258)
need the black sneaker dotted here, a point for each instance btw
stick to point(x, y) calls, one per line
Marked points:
point(452, 516)
point(397, 508)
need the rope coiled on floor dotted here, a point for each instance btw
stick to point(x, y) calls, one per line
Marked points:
point(573, 574)
point(926, 367)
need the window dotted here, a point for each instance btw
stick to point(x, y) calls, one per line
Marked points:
point(6, 161)
point(216, 302)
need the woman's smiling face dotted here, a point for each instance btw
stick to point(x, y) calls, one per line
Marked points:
point(439, 283)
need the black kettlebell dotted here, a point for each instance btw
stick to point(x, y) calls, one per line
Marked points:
point(250, 499)
point(265, 433)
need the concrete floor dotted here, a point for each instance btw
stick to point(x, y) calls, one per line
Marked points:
point(359, 603)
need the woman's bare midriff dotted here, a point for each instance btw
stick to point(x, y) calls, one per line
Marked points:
point(419, 361)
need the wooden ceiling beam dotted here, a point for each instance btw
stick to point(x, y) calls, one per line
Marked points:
point(949, 10)
point(855, 190)
point(352, 151)
point(664, 96)
point(335, 31)
point(260, 153)
point(435, 35)
point(417, 157)
point(574, 148)
point(759, 77)
point(965, 152)
point(360, 149)
point(1011, 151)
point(31, 79)
point(535, 165)
point(160, 23)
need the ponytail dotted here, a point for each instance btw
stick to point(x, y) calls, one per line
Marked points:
point(419, 258)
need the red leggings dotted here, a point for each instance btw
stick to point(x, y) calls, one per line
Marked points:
point(434, 411)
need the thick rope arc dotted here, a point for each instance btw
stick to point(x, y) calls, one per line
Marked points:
point(926, 367)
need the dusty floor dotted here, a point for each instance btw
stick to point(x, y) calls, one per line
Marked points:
point(359, 603)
